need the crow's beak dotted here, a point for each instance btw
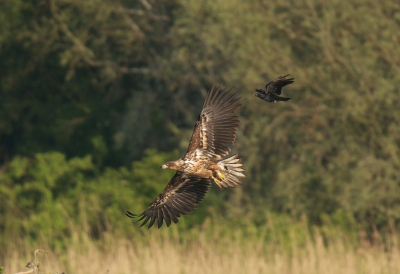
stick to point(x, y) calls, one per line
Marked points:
point(164, 166)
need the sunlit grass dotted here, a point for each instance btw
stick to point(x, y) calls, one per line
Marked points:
point(208, 249)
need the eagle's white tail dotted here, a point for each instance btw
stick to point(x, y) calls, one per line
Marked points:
point(232, 169)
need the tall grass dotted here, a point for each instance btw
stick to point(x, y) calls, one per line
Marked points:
point(210, 249)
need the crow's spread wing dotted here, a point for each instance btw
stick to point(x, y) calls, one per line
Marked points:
point(276, 85)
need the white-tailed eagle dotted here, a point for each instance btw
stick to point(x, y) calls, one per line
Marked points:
point(203, 163)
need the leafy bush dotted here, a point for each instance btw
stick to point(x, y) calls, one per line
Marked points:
point(48, 196)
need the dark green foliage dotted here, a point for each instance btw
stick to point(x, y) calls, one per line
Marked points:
point(67, 69)
point(49, 195)
point(87, 88)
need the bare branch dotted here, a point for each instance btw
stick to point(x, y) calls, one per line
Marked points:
point(146, 4)
point(27, 272)
point(33, 265)
point(149, 14)
point(38, 251)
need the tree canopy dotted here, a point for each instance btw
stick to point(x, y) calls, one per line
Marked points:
point(89, 87)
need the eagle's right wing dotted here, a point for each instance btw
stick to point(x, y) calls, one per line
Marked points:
point(180, 197)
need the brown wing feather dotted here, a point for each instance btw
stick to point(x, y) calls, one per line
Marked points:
point(216, 127)
point(276, 85)
point(180, 197)
point(196, 141)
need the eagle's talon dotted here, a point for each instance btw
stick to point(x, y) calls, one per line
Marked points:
point(220, 175)
point(218, 183)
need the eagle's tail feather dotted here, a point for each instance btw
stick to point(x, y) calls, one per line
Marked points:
point(232, 170)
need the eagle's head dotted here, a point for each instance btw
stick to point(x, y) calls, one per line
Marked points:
point(176, 165)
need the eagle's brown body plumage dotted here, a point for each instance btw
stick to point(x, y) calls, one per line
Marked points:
point(203, 163)
point(203, 167)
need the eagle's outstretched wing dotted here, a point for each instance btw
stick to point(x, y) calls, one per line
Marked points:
point(216, 127)
point(276, 85)
point(180, 197)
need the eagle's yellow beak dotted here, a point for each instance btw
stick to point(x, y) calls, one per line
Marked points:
point(164, 166)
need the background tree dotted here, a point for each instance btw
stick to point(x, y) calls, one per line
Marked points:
point(87, 88)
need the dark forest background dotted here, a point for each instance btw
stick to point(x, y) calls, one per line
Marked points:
point(96, 94)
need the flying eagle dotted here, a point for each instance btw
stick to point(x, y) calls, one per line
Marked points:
point(203, 163)
point(274, 90)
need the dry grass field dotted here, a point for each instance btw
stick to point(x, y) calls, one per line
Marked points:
point(165, 251)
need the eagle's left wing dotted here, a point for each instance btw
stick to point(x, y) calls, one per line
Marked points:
point(180, 197)
point(216, 127)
